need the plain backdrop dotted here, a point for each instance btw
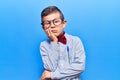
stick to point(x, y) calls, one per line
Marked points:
point(96, 22)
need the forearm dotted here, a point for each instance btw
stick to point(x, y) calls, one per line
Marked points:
point(67, 70)
point(49, 56)
point(75, 67)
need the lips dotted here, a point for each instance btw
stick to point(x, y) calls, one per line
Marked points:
point(54, 31)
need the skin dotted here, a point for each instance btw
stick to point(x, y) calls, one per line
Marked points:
point(52, 32)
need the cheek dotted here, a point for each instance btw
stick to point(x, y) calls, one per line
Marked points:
point(60, 29)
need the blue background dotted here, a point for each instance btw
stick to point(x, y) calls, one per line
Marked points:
point(96, 22)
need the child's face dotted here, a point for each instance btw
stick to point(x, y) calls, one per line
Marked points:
point(54, 22)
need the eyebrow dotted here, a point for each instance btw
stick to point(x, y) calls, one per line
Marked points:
point(51, 20)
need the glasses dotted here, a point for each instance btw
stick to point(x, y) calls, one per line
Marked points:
point(47, 24)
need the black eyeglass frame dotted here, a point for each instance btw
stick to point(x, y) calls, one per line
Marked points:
point(52, 21)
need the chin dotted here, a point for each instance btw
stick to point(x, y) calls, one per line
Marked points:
point(56, 34)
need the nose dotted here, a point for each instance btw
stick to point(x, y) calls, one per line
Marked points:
point(52, 25)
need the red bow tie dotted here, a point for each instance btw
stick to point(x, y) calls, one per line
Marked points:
point(62, 38)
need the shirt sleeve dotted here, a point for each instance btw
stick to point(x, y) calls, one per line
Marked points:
point(49, 55)
point(70, 69)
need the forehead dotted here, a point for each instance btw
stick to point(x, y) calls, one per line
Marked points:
point(51, 16)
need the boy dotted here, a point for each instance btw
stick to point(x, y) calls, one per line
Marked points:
point(62, 54)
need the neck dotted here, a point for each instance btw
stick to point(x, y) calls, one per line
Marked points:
point(61, 34)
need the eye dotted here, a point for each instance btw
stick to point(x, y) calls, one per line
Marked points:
point(57, 21)
point(46, 23)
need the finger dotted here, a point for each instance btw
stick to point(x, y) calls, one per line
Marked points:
point(51, 34)
point(42, 78)
point(50, 31)
point(47, 32)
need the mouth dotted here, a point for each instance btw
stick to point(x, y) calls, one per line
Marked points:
point(53, 31)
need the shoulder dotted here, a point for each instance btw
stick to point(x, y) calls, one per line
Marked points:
point(73, 39)
point(45, 43)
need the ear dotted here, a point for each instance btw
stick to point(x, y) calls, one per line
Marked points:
point(64, 23)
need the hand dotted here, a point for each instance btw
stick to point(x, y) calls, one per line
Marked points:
point(46, 74)
point(51, 35)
